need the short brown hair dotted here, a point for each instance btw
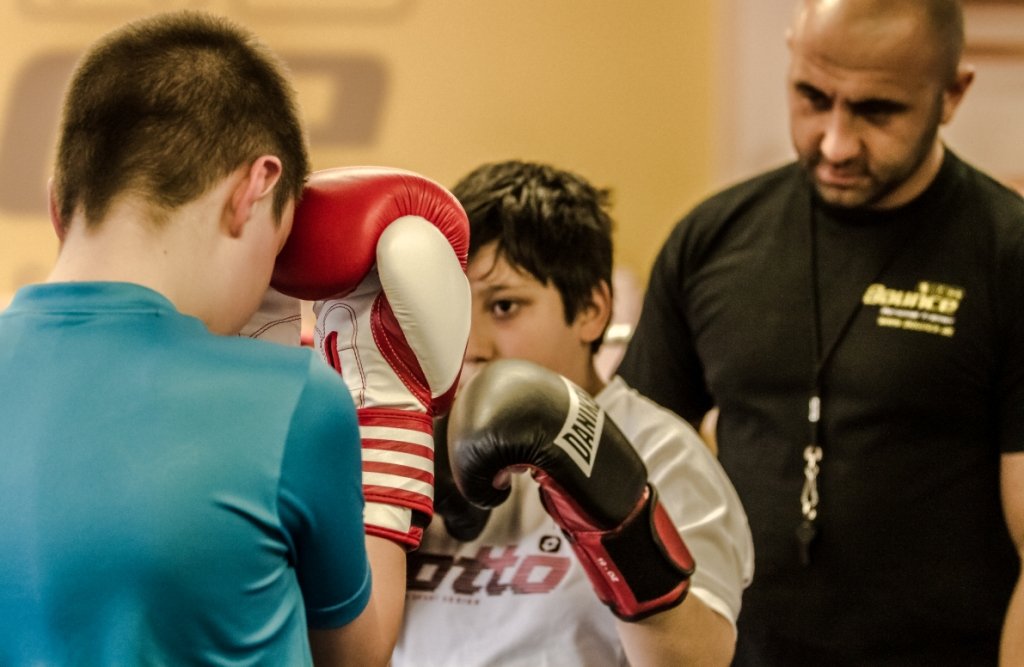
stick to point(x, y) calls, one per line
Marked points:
point(550, 222)
point(165, 106)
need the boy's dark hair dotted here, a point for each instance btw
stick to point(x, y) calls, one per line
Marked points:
point(164, 107)
point(549, 222)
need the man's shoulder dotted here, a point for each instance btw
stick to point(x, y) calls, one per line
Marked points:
point(988, 189)
point(986, 207)
point(774, 183)
point(748, 205)
point(767, 180)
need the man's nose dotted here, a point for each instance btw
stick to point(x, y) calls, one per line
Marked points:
point(840, 141)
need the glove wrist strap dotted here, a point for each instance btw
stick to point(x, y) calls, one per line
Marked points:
point(639, 568)
point(398, 472)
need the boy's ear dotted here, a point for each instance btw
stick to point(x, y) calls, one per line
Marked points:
point(594, 317)
point(252, 185)
point(58, 225)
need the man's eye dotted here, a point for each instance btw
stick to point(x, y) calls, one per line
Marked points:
point(814, 97)
point(878, 112)
point(818, 101)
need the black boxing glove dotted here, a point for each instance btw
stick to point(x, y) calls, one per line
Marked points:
point(516, 415)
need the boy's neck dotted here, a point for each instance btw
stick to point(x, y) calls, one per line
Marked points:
point(170, 256)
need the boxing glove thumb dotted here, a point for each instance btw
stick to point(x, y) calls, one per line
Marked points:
point(462, 519)
point(278, 319)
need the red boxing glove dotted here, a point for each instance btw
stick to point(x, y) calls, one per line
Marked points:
point(382, 252)
point(515, 414)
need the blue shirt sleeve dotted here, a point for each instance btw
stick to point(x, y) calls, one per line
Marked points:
point(320, 501)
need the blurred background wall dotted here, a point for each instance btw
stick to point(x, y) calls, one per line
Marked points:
point(617, 91)
point(662, 101)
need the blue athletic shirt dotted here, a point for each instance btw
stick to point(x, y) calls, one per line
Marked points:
point(169, 496)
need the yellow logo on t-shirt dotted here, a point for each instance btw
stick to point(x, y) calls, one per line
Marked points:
point(930, 309)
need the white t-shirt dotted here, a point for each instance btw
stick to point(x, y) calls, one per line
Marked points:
point(516, 596)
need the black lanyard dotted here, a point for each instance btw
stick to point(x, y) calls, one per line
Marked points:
point(813, 453)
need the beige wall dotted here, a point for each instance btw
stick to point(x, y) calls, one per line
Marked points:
point(621, 92)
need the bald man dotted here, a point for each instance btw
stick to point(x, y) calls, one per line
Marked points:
point(855, 317)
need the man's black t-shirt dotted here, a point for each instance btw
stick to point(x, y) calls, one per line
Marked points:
point(908, 325)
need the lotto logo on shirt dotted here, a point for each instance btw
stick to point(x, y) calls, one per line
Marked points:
point(931, 308)
point(493, 571)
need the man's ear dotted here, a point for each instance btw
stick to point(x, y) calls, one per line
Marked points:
point(253, 185)
point(955, 91)
point(58, 225)
point(594, 317)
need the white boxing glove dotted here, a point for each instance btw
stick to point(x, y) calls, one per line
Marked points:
point(382, 252)
point(278, 319)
